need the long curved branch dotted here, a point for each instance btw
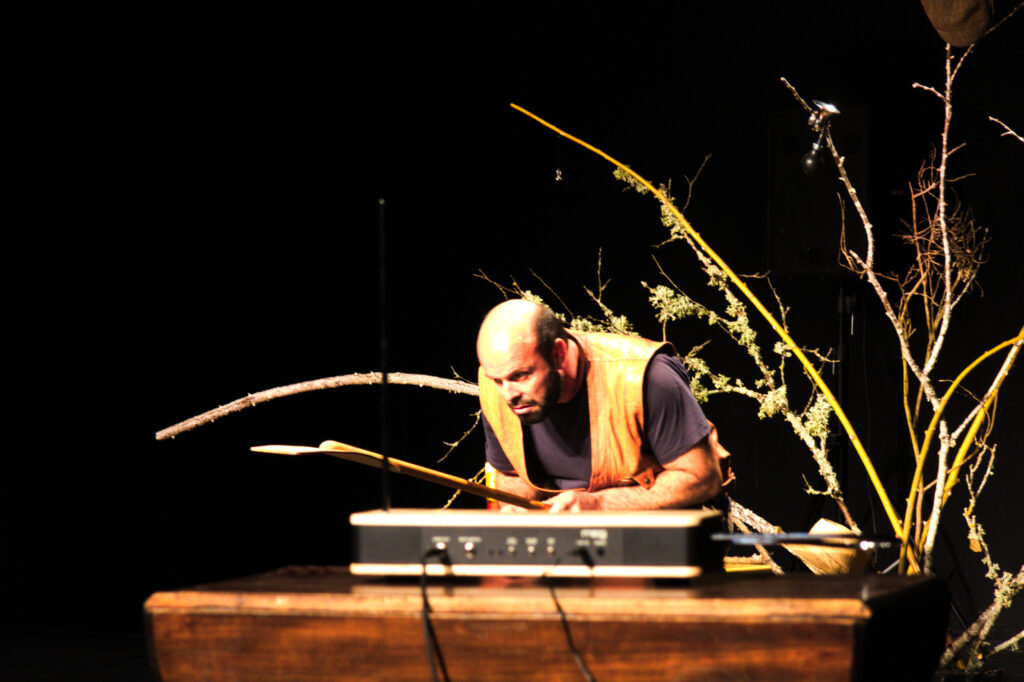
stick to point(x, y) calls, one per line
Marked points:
point(783, 334)
point(947, 260)
point(369, 379)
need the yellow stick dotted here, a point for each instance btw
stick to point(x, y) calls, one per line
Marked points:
point(808, 367)
point(361, 456)
point(930, 434)
point(954, 470)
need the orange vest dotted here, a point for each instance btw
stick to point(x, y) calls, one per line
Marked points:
point(615, 386)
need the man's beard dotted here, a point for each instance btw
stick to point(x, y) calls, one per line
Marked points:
point(552, 391)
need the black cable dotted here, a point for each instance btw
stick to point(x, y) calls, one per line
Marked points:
point(580, 663)
point(867, 406)
point(429, 636)
point(958, 571)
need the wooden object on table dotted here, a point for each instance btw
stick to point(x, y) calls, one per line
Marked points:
point(823, 560)
point(325, 624)
point(352, 453)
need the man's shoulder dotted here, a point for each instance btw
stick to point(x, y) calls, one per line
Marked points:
point(665, 372)
point(603, 346)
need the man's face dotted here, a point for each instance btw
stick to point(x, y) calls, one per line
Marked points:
point(527, 381)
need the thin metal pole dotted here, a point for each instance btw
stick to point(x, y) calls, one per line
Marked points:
point(385, 448)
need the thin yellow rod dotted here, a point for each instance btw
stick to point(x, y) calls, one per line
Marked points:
point(968, 440)
point(808, 367)
point(930, 433)
point(983, 413)
point(965, 447)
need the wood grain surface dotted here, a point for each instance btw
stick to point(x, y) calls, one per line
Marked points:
point(322, 623)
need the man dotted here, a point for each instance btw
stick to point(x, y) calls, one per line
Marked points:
point(591, 421)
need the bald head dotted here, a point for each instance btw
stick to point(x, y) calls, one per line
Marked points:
point(507, 329)
point(518, 326)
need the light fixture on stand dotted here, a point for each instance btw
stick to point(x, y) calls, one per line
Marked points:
point(810, 163)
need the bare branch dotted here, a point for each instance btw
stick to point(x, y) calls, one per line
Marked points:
point(796, 95)
point(765, 557)
point(690, 182)
point(553, 292)
point(947, 306)
point(738, 512)
point(1011, 643)
point(1007, 588)
point(1009, 131)
point(1000, 22)
point(464, 436)
point(253, 399)
point(929, 89)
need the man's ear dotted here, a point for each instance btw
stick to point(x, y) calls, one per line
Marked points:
point(559, 352)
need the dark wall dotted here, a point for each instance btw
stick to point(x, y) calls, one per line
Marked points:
point(202, 192)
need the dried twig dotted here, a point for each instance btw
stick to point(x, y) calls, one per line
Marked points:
point(1006, 589)
point(458, 441)
point(1010, 643)
point(1009, 131)
point(1005, 17)
point(763, 556)
point(740, 513)
point(253, 399)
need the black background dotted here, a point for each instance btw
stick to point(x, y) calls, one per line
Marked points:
point(197, 219)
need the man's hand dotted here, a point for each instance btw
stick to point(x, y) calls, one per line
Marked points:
point(691, 479)
point(574, 500)
point(516, 486)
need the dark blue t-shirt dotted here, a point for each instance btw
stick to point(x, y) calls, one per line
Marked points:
point(558, 449)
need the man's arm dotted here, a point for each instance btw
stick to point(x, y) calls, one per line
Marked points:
point(513, 484)
point(687, 481)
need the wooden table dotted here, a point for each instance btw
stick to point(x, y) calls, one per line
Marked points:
point(325, 624)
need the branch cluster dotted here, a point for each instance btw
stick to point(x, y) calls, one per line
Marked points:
point(948, 249)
